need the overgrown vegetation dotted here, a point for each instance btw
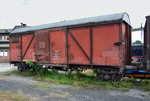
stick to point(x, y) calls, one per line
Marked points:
point(41, 86)
point(86, 79)
point(9, 96)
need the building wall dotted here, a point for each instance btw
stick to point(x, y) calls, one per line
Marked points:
point(4, 55)
point(4, 46)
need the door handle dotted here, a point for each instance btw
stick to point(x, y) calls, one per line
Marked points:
point(118, 43)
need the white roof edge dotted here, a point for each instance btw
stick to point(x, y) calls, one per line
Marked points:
point(126, 18)
point(4, 45)
point(104, 18)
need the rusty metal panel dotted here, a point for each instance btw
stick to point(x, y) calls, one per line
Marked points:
point(147, 42)
point(58, 47)
point(79, 46)
point(128, 45)
point(15, 52)
point(105, 52)
point(28, 50)
point(42, 46)
point(124, 43)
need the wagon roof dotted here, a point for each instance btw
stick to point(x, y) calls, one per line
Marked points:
point(97, 19)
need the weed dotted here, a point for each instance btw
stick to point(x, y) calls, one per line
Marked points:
point(8, 73)
point(143, 95)
point(43, 86)
point(9, 96)
point(145, 84)
point(84, 80)
point(123, 89)
point(62, 92)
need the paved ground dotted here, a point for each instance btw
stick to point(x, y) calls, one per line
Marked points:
point(42, 91)
point(4, 67)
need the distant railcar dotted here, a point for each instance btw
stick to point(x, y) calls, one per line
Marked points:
point(142, 70)
point(147, 43)
point(101, 43)
point(137, 53)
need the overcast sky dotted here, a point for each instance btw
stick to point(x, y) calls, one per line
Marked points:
point(36, 12)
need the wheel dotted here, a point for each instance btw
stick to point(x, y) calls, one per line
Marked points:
point(20, 68)
point(118, 77)
point(100, 77)
point(113, 76)
point(108, 75)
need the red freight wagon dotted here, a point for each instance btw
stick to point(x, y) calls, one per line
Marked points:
point(101, 43)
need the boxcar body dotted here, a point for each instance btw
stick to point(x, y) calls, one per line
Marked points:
point(102, 43)
point(147, 43)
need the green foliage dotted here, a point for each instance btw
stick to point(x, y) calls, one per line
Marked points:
point(36, 68)
point(40, 85)
point(84, 80)
point(123, 89)
point(9, 96)
point(30, 63)
point(33, 65)
point(80, 80)
point(145, 84)
point(137, 42)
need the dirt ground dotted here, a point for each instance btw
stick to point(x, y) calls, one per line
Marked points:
point(42, 91)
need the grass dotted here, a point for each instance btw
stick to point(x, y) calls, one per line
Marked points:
point(9, 96)
point(41, 86)
point(62, 92)
point(85, 80)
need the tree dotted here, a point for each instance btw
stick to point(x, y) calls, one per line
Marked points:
point(137, 42)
